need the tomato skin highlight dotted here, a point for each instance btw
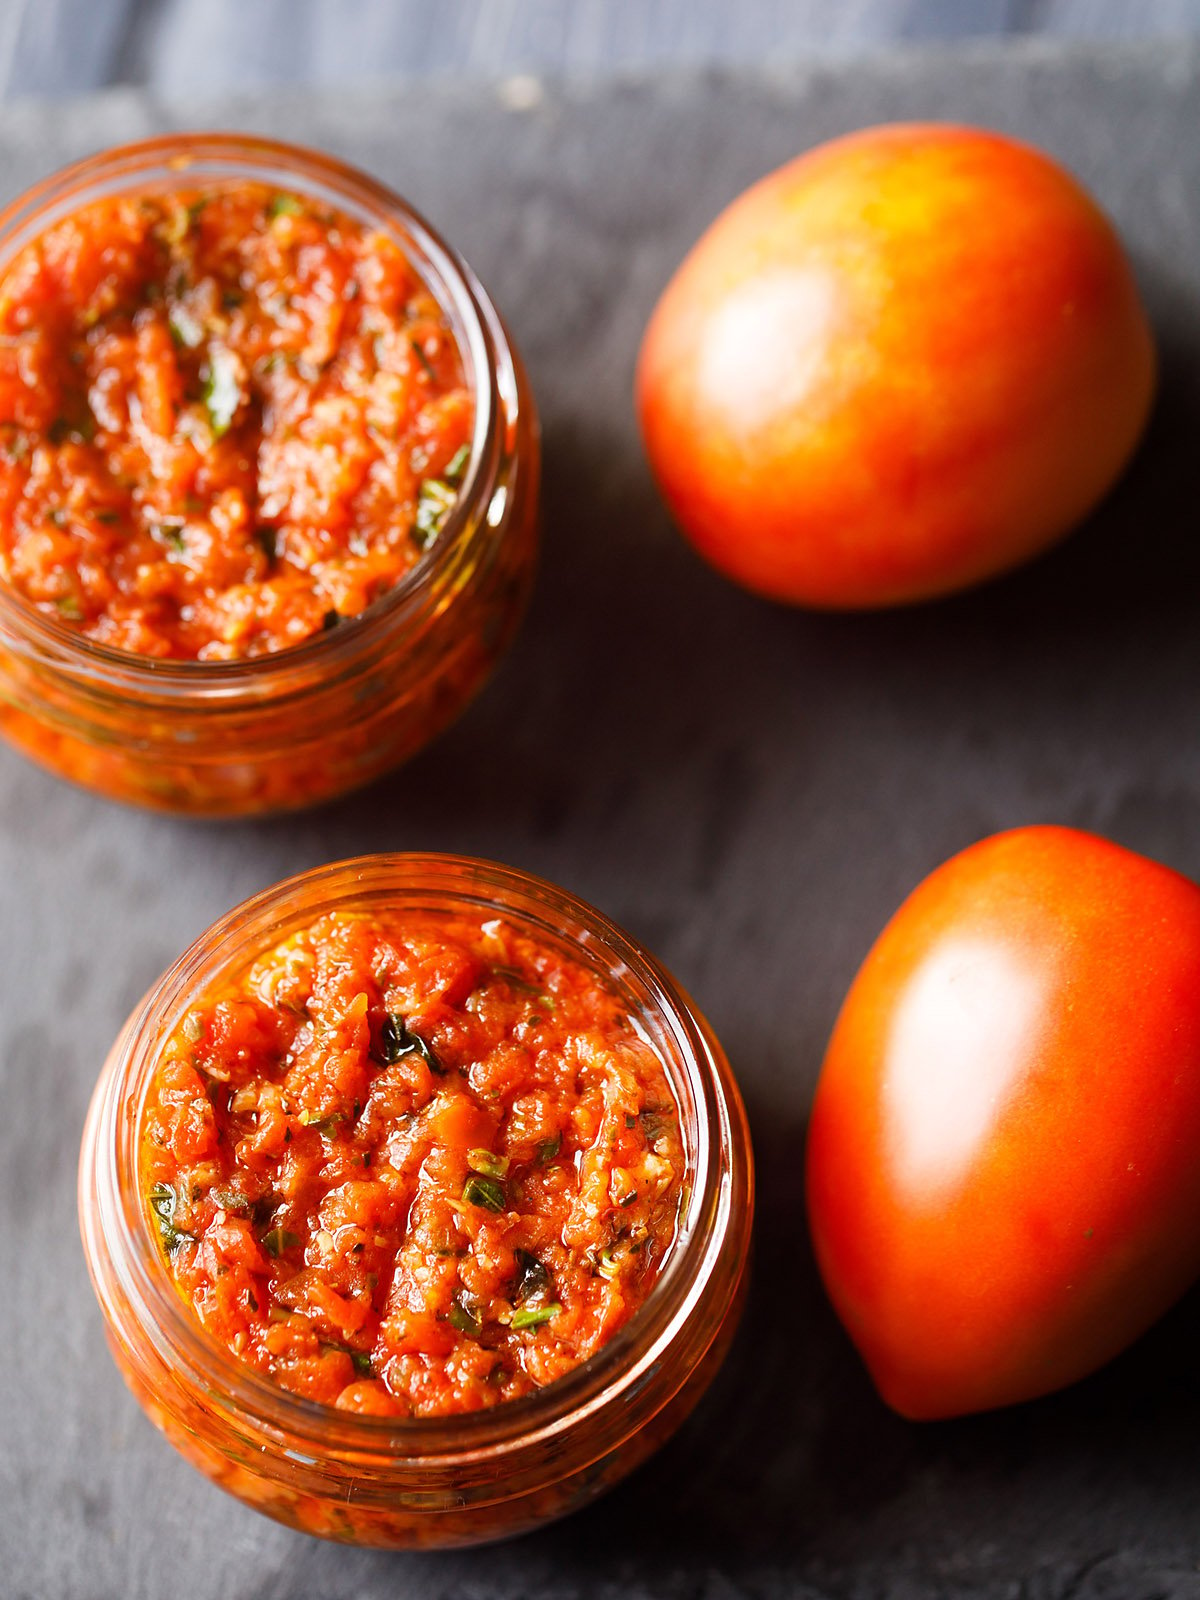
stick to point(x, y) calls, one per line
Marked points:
point(1003, 1165)
point(904, 362)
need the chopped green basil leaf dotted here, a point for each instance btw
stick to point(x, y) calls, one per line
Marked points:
point(170, 533)
point(457, 464)
point(360, 1359)
point(608, 1259)
point(492, 1166)
point(424, 360)
point(485, 1192)
point(534, 1316)
point(326, 1126)
point(464, 1319)
point(284, 205)
point(185, 330)
point(548, 1149)
point(278, 1240)
point(434, 504)
point(164, 1201)
point(222, 391)
point(396, 1039)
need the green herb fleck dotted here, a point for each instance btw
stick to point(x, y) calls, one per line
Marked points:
point(164, 1202)
point(548, 1149)
point(464, 1319)
point(532, 1278)
point(396, 1039)
point(492, 1166)
point(516, 980)
point(278, 1240)
point(608, 1259)
point(630, 1120)
point(64, 430)
point(457, 464)
point(434, 504)
point(485, 1192)
point(360, 1359)
point(534, 1316)
point(108, 517)
point(170, 533)
point(655, 1123)
point(15, 446)
point(424, 360)
point(222, 391)
point(185, 331)
point(284, 205)
point(69, 608)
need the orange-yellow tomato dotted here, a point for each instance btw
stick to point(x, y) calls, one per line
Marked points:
point(902, 363)
point(1004, 1152)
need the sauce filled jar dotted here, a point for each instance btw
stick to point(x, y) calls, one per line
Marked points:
point(268, 477)
point(417, 1198)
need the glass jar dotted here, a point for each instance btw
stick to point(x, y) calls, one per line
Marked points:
point(290, 729)
point(424, 1482)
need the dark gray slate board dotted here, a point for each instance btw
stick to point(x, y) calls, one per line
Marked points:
point(750, 790)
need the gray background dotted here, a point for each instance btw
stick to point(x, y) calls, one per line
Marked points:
point(750, 790)
point(52, 47)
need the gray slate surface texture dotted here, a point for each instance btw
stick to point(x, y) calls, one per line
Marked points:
point(56, 47)
point(750, 790)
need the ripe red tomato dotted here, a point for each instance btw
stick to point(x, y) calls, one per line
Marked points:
point(903, 363)
point(1004, 1152)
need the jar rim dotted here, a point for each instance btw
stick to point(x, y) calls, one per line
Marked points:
point(721, 1198)
point(171, 160)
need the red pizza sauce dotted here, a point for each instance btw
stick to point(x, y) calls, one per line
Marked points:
point(411, 1165)
point(229, 418)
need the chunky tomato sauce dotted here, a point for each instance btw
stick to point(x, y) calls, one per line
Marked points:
point(229, 418)
point(412, 1165)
